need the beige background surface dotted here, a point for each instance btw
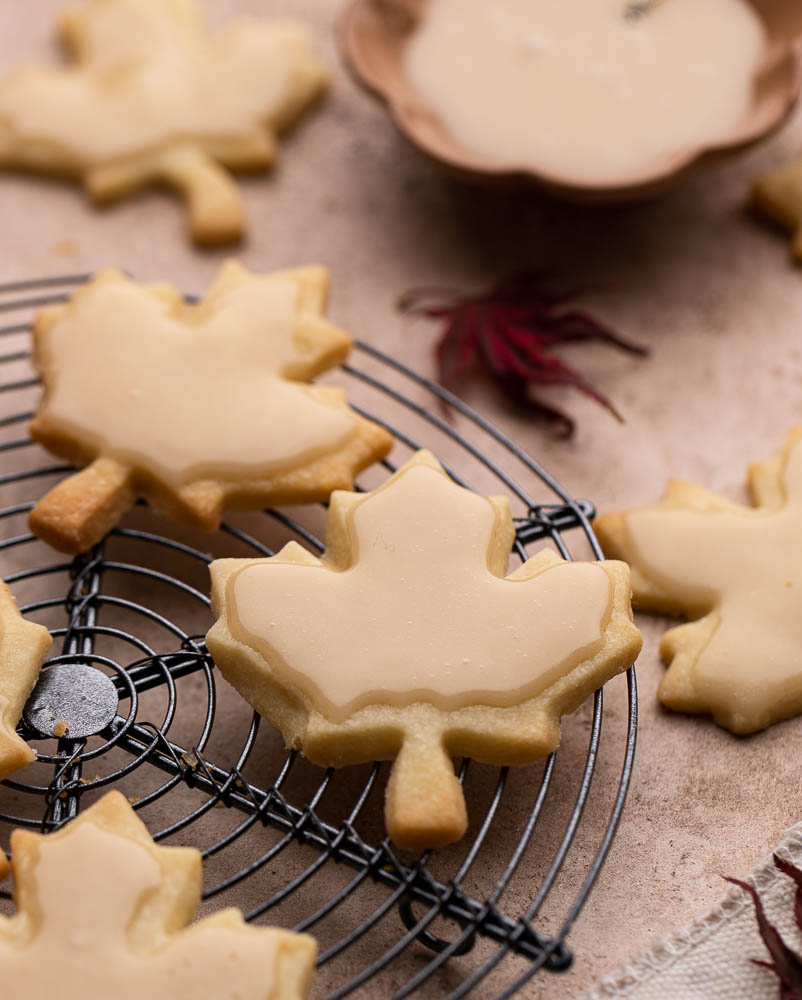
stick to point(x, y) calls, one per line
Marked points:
point(693, 276)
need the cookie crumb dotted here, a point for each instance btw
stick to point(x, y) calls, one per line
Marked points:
point(65, 248)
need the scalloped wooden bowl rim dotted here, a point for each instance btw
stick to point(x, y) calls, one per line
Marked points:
point(373, 49)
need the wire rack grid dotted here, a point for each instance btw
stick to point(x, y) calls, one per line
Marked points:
point(298, 845)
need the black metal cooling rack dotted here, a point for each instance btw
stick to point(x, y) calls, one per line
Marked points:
point(294, 844)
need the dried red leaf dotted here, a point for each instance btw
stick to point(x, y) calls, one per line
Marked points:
point(508, 331)
point(790, 869)
point(786, 964)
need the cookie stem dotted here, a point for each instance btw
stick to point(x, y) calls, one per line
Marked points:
point(425, 806)
point(215, 208)
point(81, 509)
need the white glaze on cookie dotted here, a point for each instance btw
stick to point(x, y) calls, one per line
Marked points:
point(103, 912)
point(152, 75)
point(152, 97)
point(418, 615)
point(745, 566)
point(74, 955)
point(188, 392)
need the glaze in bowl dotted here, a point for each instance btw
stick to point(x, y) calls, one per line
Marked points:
point(374, 34)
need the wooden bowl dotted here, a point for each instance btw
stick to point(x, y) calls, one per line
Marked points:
point(374, 33)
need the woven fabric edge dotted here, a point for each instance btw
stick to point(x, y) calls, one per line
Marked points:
point(668, 950)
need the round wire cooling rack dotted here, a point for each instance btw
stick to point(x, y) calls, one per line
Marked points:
point(281, 839)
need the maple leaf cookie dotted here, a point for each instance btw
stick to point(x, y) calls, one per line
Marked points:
point(194, 406)
point(407, 641)
point(103, 912)
point(738, 571)
point(23, 648)
point(151, 97)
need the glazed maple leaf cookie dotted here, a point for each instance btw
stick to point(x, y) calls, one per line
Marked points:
point(194, 406)
point(151, 97)
point(778, 194)
point(23, 648)
point(738, 571)
point(407, 641)
point(103, 912)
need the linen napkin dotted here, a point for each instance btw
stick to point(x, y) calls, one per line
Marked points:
point(709, 959)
